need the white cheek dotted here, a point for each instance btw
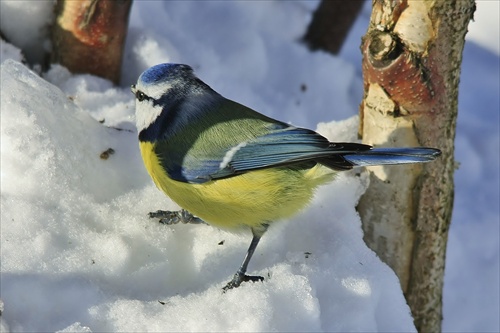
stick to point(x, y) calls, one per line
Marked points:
point(145, 114)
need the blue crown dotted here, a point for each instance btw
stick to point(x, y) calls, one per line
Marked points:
point(165, 72)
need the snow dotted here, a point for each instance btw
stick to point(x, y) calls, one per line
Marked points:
point(78, 253)
point(14, 14)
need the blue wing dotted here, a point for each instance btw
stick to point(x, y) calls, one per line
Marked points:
point(282, 147)
point(279, 147)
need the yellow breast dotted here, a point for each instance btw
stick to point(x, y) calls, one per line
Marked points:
point(250, 199)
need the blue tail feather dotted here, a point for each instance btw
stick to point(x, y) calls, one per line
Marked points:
point(384, 156)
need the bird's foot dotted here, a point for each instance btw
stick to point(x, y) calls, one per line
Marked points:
point(174, 217)
point(239, 278)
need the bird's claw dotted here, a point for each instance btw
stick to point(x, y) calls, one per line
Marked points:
point(239, 278)
point(173, 217)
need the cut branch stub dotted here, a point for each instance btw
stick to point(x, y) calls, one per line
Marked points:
point(89, 35)
point(391, 65)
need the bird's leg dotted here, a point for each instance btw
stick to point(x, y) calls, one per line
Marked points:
point(240, 275)
point(171, 217)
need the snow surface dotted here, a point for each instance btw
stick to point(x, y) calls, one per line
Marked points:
point(14, 16)
point(78, 253)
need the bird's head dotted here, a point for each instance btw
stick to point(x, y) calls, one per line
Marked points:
point(163, 88)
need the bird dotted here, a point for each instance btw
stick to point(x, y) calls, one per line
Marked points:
point(234, 168)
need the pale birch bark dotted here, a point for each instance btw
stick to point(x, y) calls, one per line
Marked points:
point(412, 53)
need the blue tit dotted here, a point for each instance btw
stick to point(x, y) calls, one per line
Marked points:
point(231, 166)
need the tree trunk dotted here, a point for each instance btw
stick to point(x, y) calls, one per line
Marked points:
point(412, 53)
point(330, 24)
point(89, 35)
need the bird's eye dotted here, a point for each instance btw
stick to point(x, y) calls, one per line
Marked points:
point(140, 95)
